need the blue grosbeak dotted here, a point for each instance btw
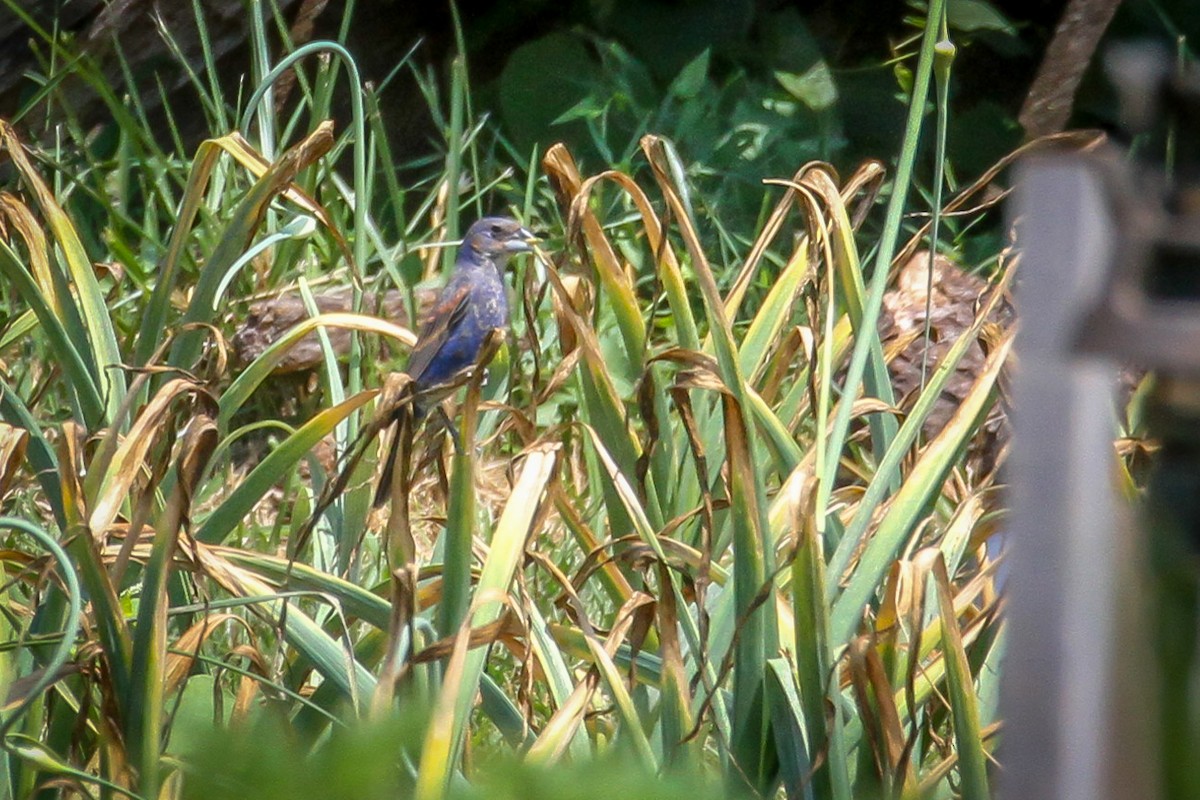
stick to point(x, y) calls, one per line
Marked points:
point(473, 303)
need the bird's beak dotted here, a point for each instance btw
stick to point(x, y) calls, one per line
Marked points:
point(523, 243)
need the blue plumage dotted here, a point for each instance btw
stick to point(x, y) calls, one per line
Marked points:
point(473, 303)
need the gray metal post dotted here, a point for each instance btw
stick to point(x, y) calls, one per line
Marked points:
point(1068, 541)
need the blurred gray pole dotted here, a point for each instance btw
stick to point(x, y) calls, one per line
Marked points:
point(1068, 539)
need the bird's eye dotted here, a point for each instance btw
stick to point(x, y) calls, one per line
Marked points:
point(496, 230)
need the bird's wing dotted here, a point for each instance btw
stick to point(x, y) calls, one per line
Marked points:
point(443, 319)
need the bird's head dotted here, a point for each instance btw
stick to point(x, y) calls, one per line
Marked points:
point(496, 238)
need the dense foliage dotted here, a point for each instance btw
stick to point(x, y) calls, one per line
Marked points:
point(699, 543)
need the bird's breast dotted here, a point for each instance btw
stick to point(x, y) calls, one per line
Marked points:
point(490, 305)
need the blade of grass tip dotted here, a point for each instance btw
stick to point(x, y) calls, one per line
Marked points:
point(839, 239)
point(959, 530)
point(23, 222)
point(766, 235)
point(127, 125)
point(972, 761)
point(56, 285)
point(460, 45)
point(20, 327)
point(126, 463)
point(379, 140)
point(299, 228)
point(264, 108)
point(319, 91)
point(215, 97)
point(454, 152)
point(156, 311)
point(887, 249)
point(445, 735)
point(102, 338)
point(569, 185)
point(254, 162)
point(47, 761)
point(362, 187)
point(531, 183)
point(602, 406)
point(621, 292)
point(774, 312)
point(824, 399)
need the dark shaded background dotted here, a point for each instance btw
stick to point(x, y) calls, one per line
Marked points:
point(992, 75)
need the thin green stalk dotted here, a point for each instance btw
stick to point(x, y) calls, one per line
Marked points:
point(943, 58)
point(215, 96)
point(361, 189)
point(454, 148)
point(263, 105)
point(883, 257)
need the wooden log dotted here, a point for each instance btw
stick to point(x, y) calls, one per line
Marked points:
point(269, 319)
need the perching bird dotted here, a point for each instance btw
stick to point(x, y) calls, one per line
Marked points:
point(473, 303)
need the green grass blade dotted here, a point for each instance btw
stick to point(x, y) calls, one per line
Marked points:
point(100, 335)
point(85, 394)
point(920, 487)
point(241, 500)
point(335, 661)
point(144, 705)
point(815, 673)
point(444, 737)
point(70, 627)
point(889, 466)
point(972, 762)
point(354, 600)
point(752, 558)
point(795, 757)
point(264, 365)
point(243, 224)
